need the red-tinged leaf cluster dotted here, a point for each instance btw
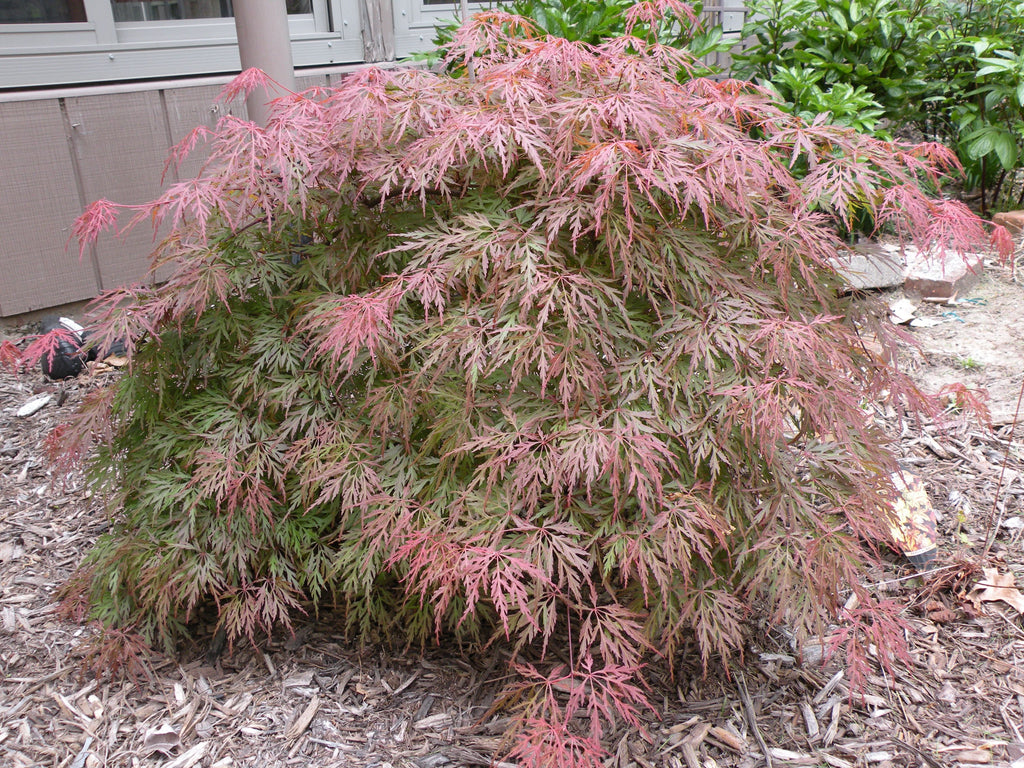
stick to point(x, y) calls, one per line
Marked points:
point(550, 355)
point(869, 633)
point(969, 402)
point(47, 347)
point(247, 82)
point(11, 356)
point(117, 652)
point(545, 731)
point(99, 217)
point(1003, 244)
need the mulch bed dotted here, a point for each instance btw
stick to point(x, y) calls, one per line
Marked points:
point(314, 699)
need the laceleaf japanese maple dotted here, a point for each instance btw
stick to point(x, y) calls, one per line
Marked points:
point(552, 356)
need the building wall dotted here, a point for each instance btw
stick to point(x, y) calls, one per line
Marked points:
point(64, 149)
point(69, 138)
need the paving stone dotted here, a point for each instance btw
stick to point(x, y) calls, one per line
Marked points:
point(1012, 220)
point(872, 266)
point(930, 277)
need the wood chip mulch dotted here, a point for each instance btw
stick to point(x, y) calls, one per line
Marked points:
point(313, 700)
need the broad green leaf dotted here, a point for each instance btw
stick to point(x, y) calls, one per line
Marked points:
point(839, 18)
point(1005, 145)
point(981, 47)
point(981, 142)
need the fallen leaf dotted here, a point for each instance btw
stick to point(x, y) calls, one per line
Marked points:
point(939, 613)
point(163, 739)
point(901, 311)
point(995, 586)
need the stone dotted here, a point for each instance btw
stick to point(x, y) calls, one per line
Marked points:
point(869, 266)
point(33, 405)
point(931, 277)
point(1012, 220)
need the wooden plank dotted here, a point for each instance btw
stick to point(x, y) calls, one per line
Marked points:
point(39, 201)
point(121, 141)
point(376, 19)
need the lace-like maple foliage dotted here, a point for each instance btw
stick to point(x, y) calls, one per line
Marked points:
point(552, 355)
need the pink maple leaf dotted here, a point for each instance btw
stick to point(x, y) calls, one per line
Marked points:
point(95, 219)
point(1002, 241)
point(242, 86)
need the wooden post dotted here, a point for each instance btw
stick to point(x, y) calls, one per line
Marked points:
point(378, 23)
point(470, 69)
point(264, 43)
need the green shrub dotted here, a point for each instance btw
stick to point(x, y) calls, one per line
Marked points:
point(872, 45)
point(798, 91)
point(594, 21)
point(975, 99)
point(947, 70)
point(555, 355)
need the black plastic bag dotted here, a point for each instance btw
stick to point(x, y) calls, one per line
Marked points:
point(67, 359)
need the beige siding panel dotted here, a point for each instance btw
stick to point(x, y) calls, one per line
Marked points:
point(188, 108)
point(121, 141)
point(38, 203)
point(305, 82)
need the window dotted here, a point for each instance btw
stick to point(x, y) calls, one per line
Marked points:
point(41, 11)
point(70, 42)
point(415, 21)
point(174, 10)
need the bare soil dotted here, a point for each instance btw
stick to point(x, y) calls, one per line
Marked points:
point(313, 700)
point(978, 342)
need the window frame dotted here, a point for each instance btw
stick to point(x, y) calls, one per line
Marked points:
point(101, 50)
point(415, 21)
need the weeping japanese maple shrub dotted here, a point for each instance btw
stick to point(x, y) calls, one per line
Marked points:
point(552, 353)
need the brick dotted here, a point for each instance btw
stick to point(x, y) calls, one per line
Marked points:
point(929, 277)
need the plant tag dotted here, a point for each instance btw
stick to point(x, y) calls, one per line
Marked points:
point(914, 528)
